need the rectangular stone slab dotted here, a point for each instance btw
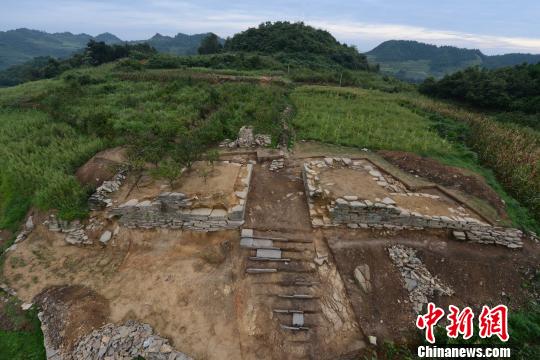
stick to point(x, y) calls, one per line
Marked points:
point(269, 253)
point(298, 319)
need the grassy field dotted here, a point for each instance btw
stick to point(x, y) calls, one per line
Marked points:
point(363, 118)
point(49, 128)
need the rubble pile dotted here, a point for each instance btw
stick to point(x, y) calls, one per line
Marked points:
point(247, 139)
point(417, 279)
point(277, 164)
point(127, 341)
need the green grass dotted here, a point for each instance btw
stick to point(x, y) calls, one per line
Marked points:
point(26, 341)
point(362, 118)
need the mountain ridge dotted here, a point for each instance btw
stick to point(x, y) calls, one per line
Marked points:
point(415, 61)
point(22, 45)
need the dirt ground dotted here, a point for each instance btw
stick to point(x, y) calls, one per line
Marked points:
point(340, 182)
point(101, 167)
point(277, 200)
point(479, 274)
point(71, 312)
point(172, 280)
point(449, 176)
point(345, 181)
point(212, 186)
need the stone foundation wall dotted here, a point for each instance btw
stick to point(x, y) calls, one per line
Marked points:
point(366, 214)
point(359, 213)
point(177, 211)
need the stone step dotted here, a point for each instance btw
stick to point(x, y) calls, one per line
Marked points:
point(260, 271)
point(256, 258)
point(269, 253)
point(297, 296)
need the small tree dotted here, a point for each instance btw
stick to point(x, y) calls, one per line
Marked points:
point(205, 173)
point(188, 150)
point(169, 170)
point(212, 156)
point(210, 45)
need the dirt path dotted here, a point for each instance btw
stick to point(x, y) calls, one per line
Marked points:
point(277, 210)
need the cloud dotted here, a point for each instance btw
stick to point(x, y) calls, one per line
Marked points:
point(358, 31)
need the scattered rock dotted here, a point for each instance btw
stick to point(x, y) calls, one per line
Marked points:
point(372, 340)
point(29, 225)
point(417, 279)
point(105, 237)
point(363, 277)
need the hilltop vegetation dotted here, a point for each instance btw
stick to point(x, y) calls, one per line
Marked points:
point(295, 42)
point(415, 61)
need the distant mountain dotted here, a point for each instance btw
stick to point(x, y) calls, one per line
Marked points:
point(22, 45)
point(415, 61)
point(181, 44)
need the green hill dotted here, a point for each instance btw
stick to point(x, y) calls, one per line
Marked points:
point(293, 42)
point(415, 61)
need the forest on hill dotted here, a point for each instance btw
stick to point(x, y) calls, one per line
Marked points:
point(512, 90)
point(296, 40)
point(416, 61)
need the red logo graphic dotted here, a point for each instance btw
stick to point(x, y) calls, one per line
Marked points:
point(460, 322)
point(429, 320)
point(494, 322)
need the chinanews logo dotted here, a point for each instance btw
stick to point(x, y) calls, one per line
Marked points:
point(492, 321)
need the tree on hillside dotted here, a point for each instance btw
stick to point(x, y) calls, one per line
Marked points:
point(210, 45)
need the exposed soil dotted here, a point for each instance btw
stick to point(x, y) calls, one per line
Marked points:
point(181, 283)
point(345, 181)
point(102, 166)
point(449, 176)
point(479, 274)
point(71, 312)
point(219, 179)
point(277, 200)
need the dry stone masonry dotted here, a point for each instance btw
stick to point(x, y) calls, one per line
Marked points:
point(355, 212)
point(100, 199)
point(127, 341)
point(178, 211)
point(417, 279)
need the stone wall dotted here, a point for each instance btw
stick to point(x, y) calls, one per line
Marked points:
point(385, 214)
point(178, 211)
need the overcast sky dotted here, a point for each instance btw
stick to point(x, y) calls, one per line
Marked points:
point(494, 26)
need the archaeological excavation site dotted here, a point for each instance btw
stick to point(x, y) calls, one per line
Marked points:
point(312, 252)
